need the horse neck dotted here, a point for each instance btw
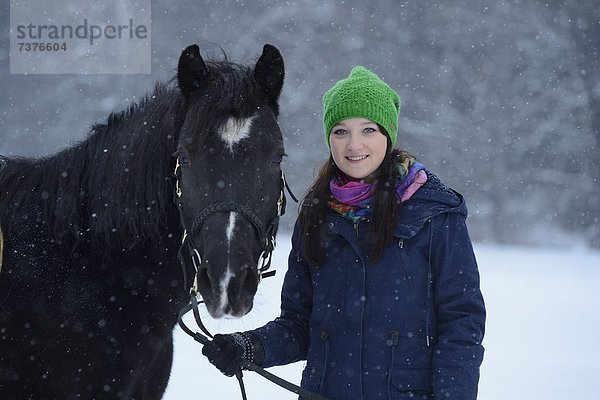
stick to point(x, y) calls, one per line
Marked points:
point(115, 187)
point(130, 173)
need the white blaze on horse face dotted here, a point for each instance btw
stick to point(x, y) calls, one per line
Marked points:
point(235, 130)
point(228, 274)
point(230, 226)
point(223, 286)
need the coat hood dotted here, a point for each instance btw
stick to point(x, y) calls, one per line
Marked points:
point(432, 199)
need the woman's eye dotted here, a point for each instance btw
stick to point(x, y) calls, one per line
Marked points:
point(369, 130)
point(339, 132)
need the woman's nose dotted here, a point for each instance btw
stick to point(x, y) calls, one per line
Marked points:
point(354, 142)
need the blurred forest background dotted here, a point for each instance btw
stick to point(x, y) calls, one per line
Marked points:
point(501, 99)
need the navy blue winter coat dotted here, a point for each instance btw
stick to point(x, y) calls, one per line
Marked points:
point(407, 327)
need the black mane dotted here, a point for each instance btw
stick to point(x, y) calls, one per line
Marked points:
point(115, 184)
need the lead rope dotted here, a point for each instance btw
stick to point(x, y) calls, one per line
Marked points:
point(204, 339)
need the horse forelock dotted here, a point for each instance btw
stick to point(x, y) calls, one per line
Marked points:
point(231, 97)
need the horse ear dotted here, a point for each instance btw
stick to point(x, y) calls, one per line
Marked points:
point(269, 71)
point(191, 70)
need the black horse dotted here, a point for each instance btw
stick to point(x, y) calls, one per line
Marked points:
point(91, 284)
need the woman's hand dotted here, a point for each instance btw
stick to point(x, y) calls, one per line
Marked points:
point(225, 353)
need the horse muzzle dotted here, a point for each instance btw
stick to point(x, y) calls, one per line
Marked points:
point(227, 291)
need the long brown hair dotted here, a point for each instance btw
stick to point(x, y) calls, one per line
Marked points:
point(385, 208)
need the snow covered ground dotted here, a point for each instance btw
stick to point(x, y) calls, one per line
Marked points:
point(541, 339)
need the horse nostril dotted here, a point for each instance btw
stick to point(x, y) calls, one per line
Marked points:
point(250, 278)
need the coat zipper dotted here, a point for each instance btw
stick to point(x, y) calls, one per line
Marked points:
point(356, 226)
point(429, 285)
point(324, 338)
point(407, 270)
point(394, 335)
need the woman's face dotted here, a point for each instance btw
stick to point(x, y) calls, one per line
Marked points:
point(358, 147)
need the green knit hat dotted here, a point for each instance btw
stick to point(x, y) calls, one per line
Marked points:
point(361, 95)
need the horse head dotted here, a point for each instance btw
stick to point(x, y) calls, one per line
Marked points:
point(230, 185)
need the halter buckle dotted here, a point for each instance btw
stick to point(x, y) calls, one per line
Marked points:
point(195, 255)
point(198, 258)
point(177, 188)
point(177, 166)
point(178, 191)
point(281, 200)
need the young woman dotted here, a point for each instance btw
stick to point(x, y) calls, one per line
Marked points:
point(381, 296)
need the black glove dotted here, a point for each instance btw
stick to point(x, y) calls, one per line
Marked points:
point(227, 351)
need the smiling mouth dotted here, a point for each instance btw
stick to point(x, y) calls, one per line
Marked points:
point(357, 158)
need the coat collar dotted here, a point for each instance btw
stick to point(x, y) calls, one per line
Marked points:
point(433, 199)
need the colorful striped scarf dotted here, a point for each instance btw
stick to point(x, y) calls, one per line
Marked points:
point(353, 199)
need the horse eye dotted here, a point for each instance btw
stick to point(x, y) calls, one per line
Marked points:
point(183, 160)
point(279, 159)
